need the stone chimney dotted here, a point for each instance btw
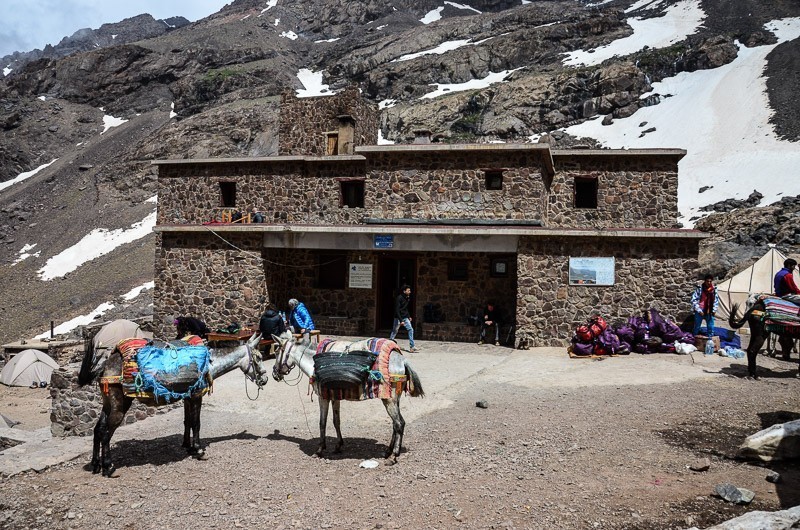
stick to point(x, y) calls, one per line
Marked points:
point(422, 136)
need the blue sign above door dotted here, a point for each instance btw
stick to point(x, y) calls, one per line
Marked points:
point(383, 241)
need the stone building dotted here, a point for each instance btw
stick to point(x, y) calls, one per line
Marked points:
point(549, 236)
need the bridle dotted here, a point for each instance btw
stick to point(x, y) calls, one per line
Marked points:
point(258, 377)
point(281, 368)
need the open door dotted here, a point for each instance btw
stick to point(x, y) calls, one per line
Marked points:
point(393, 273)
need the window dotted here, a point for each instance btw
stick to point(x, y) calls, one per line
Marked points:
point(227, 192)
point(331, 271)
point(585, 192)
point(494, 179)
point(352, 193)
point(499, 268)
point(457, 270)
point(333, 144)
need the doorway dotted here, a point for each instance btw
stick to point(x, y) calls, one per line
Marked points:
point(393, 273)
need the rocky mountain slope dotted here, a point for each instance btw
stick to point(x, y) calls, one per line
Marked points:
point(208, 88)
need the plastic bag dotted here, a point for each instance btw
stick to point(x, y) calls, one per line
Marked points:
point(729, 351)
point(683, 348)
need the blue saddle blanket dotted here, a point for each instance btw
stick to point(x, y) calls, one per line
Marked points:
point(172, 373)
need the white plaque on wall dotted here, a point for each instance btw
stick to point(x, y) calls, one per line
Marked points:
point(591, 271)
point(360, 275)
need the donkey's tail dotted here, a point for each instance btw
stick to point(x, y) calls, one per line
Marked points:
point(413, 382)
point(732, 318)
point(89, 365)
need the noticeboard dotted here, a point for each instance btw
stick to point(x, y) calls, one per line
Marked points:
point(591, 271)
point(383, 241)
point(360, 275)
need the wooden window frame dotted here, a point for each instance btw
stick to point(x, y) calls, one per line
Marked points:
point(493, 179)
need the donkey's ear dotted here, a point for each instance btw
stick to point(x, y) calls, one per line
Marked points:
point(276, 338)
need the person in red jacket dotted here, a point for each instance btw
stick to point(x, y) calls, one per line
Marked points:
point(784, 282)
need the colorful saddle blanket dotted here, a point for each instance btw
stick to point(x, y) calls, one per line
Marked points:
point(164, 372)
point(376, 369)
point(781, 316)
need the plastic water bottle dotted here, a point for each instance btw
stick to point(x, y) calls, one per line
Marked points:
point(709, 346)
point(646, 332)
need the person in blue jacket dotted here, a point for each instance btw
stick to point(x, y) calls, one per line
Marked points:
point(300, 319)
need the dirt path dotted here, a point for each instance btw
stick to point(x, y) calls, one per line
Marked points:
point(563, 444)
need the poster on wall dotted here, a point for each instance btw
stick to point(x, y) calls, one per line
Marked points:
point(591, 271)
point(360, 275)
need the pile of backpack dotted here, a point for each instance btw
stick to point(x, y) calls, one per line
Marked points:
point(651, 333)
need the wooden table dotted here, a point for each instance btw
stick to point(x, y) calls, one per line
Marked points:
point(239, 336)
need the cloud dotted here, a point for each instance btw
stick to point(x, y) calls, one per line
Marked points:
point(28, 24)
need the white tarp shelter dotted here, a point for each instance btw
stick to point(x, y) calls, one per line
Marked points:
point(27, 367)
point(757, 278)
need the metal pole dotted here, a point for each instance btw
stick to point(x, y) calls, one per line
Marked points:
point(52, 329)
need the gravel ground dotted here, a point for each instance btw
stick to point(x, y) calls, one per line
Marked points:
point(564, 443)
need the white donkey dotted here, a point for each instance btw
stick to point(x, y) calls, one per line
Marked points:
point(292, 353)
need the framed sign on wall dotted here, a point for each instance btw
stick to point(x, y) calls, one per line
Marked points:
point(591, 271)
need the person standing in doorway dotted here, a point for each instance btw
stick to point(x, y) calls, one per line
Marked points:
point(705, 302)
point(403, 316)
point(490, 318)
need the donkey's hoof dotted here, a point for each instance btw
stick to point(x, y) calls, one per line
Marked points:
point(390, 461)
point(111, 472)
point(199, 454)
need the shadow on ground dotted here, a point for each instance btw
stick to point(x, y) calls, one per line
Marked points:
point(354, 448)
point(160, 451)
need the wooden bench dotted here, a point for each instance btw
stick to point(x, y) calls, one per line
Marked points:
point(314, 335)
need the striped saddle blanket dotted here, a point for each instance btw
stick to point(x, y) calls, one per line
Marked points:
point(367, 369)
point(781, 316)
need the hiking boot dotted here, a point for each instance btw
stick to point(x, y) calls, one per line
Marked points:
point(480, 343)
point(412, 350)
point(497, 343)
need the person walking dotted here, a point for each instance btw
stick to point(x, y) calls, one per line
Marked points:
point(705, 301)
point(403, 316)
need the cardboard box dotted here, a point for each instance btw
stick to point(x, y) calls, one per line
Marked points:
point(700, 343)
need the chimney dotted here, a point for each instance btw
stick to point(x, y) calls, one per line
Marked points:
point(422, 136)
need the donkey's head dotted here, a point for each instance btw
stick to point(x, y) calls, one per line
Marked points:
point(253, 363)
point(284, 360)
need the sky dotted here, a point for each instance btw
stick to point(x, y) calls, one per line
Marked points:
point(29, 24)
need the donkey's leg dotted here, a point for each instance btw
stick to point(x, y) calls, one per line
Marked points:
point(187, 424)
point(336, 425)
point(756, 341)
point(119, 405)
point(323, 421)
point(786, 343)
point(100, 429)
point(197, 450)
point(398, 426)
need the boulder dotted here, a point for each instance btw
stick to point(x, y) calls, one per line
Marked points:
point(779, 442)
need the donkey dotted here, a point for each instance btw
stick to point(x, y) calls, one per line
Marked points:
point(292, 353)
point(758, 334)
point(115, 403)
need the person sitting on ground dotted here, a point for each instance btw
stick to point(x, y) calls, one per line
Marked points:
point(705, 301)
point(300, 319)
point(271, 323)
point(190, 326)
point(784, 283)
point(491, 317)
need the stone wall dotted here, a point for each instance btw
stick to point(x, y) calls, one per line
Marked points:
point(633, 191)
point(420, 185)
point(431, 184)
point(658, 273)
point(74, 409)
point(304, 121)
point(203, 276)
